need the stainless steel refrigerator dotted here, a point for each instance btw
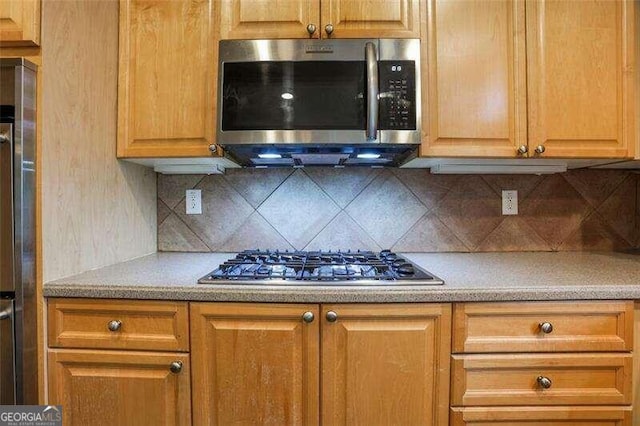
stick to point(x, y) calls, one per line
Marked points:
point(18, 356)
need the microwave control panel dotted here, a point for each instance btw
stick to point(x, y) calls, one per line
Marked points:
point(397, 95)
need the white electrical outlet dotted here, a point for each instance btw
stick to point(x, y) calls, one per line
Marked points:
point(509, 202)
point(194, 201)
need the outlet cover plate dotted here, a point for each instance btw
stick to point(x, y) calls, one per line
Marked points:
point(194, 201)
point(510, 202)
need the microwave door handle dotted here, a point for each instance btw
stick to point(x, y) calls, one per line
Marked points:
point(372, 91)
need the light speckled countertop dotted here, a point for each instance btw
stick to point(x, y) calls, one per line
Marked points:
point(467, 276)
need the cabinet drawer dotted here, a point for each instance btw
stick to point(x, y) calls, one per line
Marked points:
point(541, 416)
point(141, 325)
point(517, 327)
point(574, 379)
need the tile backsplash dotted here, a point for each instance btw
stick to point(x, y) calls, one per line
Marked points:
point(406, 210)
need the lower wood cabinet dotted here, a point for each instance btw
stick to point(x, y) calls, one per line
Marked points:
point(541, 416)
point(109, 388)
point(542, 363)
point(263, 364)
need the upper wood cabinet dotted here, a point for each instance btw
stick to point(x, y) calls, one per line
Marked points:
point(256, 19)
point(474, 78)
point(167, 78)
point(19, 23)
point(558, 83)
point(580, 71)
point(371, 19)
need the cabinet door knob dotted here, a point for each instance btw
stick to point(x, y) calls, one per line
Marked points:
point(311, 29)
point(308, 317)
point(332, 316)
point(523, 149)
point(114, 325)
point(546, 327)
point(540, 149)
point(213, 148)
point(176, 367)
point(4, 137)
point(328, 29)
point(544, 382)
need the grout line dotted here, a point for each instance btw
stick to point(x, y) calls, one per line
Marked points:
point(274, 190)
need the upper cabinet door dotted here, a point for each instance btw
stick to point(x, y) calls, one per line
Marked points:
point(257, 19)
point(370, 19)
point(19, 22)
point(473, 78)
point(167, 78)
point(580, 77)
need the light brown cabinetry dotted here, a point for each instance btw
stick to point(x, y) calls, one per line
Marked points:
point(575, 98)
point(546, 354)
point(119, 387)
point(580, 58)
point(256, 19)
point(534, 416)
point(19, 23)
point(378, 363)
point(473, 78)
point(385, 364)
point(124, 387)
point(254, 364)
point(167, 78)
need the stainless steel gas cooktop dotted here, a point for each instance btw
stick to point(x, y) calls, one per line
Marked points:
point(334, 268)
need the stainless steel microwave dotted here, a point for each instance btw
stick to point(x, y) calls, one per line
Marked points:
point(341, 102)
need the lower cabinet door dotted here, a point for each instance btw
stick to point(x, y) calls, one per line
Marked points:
point(255, 364)
point(385, 364)
point(120, 388)
point(541, 416)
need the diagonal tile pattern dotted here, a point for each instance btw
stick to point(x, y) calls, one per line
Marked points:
point(171, 188)
point(429, 188)
point(298, 209)
point(429, 234)
point(342, 184)
point(405, 209)
point(224, 210)
point(471, 210)
point(555, 210)
point(343, 233)
point(255, 185)
point(376, 209)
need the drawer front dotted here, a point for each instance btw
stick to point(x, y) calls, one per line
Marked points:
point(541, 416)
point(571, 379)
point(543, 327)
point(118, 324)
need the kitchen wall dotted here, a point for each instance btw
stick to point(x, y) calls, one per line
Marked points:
point(96, 210)
point(402, 209)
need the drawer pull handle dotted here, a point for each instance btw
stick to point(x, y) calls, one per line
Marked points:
point(544, 382)
point(332, 316)
point(176, 367)
point(114, 325)
point(546, 327)
point(308, 317)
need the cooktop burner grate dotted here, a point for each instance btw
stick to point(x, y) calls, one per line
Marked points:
point(327, 267)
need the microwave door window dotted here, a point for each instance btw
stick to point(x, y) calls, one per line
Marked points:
point(310, 95)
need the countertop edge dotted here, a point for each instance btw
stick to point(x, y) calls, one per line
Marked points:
point(341, 295)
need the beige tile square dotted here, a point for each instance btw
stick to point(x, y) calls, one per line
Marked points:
point(429, 234)
point(342, 184)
